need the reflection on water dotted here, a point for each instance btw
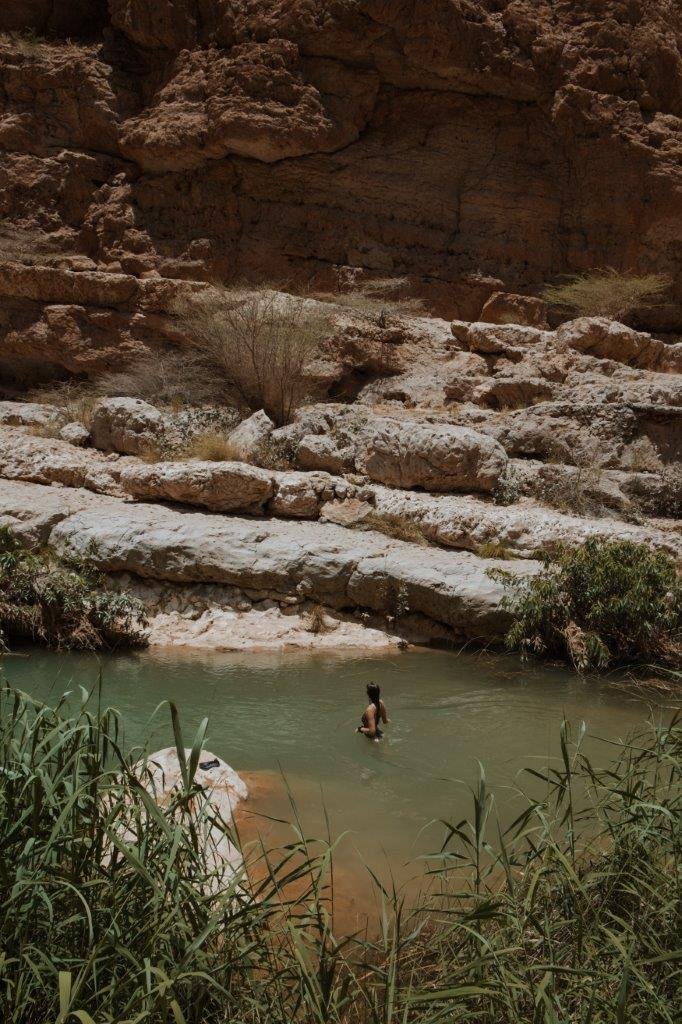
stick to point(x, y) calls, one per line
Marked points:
point(277, 716)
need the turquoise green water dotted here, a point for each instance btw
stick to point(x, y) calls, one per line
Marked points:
point(297, 716)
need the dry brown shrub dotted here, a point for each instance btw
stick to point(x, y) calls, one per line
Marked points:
point(173, 377)
point(76, 398)
point(211, 446)
point(261, 341)
point(607, 293)
point(316, 620)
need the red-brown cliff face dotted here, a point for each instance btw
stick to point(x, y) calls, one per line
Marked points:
point(457, 141)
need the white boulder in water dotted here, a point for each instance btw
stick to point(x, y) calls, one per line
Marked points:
point(224, 790)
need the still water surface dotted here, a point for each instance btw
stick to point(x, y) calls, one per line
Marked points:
point(286, 715)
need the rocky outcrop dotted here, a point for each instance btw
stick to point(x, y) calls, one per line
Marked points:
point(459, 521)
point(607, 339)
point(506, 308)
point(200, 141)
point(76, 434)
point(218, 486)
point(29, 414)
point(57, 461)
point(251, 435)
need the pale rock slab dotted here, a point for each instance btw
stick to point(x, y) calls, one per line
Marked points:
point(434, 457)
point(76, 434)
point(218, 486)
point(251, 434)
point(336, 567)
point(126, 425)
point(29, 414)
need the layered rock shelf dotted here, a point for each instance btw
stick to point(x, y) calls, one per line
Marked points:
point(266, 560)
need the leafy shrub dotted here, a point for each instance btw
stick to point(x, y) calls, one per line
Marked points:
point(605, 603)
point(62, 604)
point(260, 341)
point(607, 293)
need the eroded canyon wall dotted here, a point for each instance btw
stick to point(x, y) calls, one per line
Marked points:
point(463, 142)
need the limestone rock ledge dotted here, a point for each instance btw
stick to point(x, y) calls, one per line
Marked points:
point(289, 562)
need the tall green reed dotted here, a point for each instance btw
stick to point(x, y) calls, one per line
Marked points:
point(113, 908)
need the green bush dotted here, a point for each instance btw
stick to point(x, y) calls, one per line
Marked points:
point(603, 604)
point(607, 293)
point(62, 604)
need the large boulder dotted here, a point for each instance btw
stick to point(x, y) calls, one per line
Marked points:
point(606, 339)
point(223, 789)
point(322, 452)
point(251, 435)
point(76, 434)
point(508, 308)
point(434, 457)
point(126, 425)
point(496, 339)
point(218, 486)
point(30, 414)
point(302, 495)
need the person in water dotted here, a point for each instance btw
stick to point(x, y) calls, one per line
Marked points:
point(374, 714)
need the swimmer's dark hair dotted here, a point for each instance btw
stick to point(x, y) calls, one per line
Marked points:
point(374, 694)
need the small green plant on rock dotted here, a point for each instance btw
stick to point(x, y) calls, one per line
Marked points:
point(604, 604)
point(62, 604)
point(607, 293)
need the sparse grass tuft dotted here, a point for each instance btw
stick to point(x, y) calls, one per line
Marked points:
point(607, 293)
point(26, 41)
point(494, 549)
point(394, 526)
point(211, 446)
point(76, 398)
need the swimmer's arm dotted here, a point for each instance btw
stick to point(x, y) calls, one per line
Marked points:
point(384, 715)
point(371, 729)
